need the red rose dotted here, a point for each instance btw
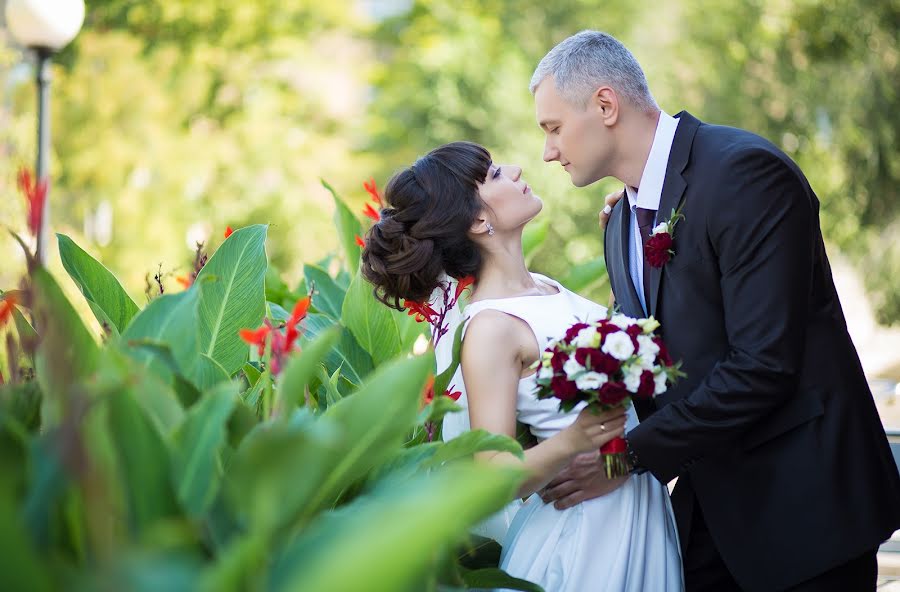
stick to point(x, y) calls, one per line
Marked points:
point(572, 331)
point(658, 248)
point(663, 355)
point(583, 353)
point(605, 363)
point(647, 386)
point(613, 393)
point(634, 330)
point(564, 390)
point(557, 361)
point(607, 327)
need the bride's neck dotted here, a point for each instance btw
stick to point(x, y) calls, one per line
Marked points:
point(503, 273)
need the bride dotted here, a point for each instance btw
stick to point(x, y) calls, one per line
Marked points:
point(456, 213)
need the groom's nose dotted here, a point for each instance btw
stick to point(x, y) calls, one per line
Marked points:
point(550, 151)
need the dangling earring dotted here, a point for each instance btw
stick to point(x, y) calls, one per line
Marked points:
point(490, 229)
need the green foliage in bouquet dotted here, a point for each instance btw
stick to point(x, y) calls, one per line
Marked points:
point(236, 435)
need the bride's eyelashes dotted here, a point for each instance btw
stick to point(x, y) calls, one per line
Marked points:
point(496, 174)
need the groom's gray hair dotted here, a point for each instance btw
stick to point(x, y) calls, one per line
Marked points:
point(588, 60)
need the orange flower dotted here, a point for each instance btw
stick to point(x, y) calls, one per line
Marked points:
point(360, 242)
point(7, 304)
point(463, 284)
point(371, 212)
point(185, 281)
point(228, 231)
point(36, 196)
point(372, 189)
point(298, 314)
point(421, 310)
point(428, 390)
point(256, 337)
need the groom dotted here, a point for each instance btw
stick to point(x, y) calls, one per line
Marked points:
point(785, 477)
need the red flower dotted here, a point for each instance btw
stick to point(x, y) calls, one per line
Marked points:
point(463, 284)
point(583, 353)
point(256, 337)
point(360, 242)
point(658, 249)
point(371, 212)
point(36, 196)
point(613, 393)
point(605, 363)
point(428, 390)
point(572, 331)
point(7, 304)
point(298, 314)
point(663, 355)
point(607, 327)
point(372, 189)
point(647, 386)
point(558, 361)
point(563, 389)
point(185, 281)
point(228, 231)
point(421, 310)
point(455, 395)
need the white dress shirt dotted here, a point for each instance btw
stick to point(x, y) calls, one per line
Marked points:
point(647, 195)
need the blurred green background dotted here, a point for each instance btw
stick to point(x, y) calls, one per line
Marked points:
point(172, 119)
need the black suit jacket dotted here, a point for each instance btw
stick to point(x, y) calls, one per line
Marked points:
point(774, 430)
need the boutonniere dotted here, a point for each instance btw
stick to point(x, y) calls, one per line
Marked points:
point(658, 249)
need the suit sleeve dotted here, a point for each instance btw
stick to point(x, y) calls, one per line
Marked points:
point(762, 233)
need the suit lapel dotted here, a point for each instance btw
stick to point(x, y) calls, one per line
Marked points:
point(617, 235)
point(673, 188)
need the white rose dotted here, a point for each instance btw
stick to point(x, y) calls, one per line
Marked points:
point(661, 227)
point(545, 373)
point(572, 367)
point(591, 381)
point(633, 378)
point(622, 321)
point(647, 350)
point(587, 337)
point(618, 345)
point(659, 382)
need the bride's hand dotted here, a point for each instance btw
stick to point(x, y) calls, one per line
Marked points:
point(592, 430)
point(610, 200)
point(584, 479)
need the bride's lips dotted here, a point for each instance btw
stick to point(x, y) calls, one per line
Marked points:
point(526, 189)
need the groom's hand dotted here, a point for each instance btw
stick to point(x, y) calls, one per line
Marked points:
point(611, 200)
point(584, 479)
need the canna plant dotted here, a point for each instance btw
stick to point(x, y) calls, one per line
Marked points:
point(212, 440)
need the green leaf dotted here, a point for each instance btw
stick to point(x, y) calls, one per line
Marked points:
point(251, 372)
point(355, 363)
point(301, 368)
point(348, 228)
point(328, 297)
point(196, 447)
point(374, 422)
point(585, 274)
point(370, 321)
point(493, 578)
point(412, 519)
point(105, 295)
point(467, 444)
point(170, 319)
point(143, 460)
point(207, 373)
point(236, 299)
point(67, 353)
point(22, 567)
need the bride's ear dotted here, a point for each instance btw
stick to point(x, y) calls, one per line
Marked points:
point(480, 225)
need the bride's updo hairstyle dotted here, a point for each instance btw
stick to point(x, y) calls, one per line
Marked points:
point(424, 230)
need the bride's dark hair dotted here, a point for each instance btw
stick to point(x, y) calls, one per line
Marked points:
point(424, 230)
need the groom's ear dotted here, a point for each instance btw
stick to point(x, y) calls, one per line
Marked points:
point(606, 103)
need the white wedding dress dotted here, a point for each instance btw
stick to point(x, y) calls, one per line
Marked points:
point(625, 541)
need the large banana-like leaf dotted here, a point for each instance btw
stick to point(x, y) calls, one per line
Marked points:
point(67, 353)
point(467, 444)
point(348, 228)
point(196, 447)
point(391, 537)
point(585, 274)
point(370, 321)
point(302, 368)
point(328, 297)
point(236, 299)
point(355, 363)
point(112, 306)
point(170, 319)
point(374, 422)
point(143, 461)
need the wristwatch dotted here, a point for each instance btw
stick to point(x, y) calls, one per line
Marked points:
point(631, 455)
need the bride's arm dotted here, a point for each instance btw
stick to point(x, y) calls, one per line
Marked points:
point(492, 366)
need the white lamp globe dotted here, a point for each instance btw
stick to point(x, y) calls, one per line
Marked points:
point(44, 23)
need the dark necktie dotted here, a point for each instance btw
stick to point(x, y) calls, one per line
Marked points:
point(645, 219)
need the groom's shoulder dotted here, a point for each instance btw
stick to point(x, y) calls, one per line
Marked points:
point(724, 147)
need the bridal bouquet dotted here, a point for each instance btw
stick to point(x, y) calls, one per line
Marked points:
point(606, 364)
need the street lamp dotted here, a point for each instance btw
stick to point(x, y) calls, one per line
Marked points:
point(44, 26)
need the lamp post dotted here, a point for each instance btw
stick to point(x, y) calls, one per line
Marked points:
point(45, 26)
